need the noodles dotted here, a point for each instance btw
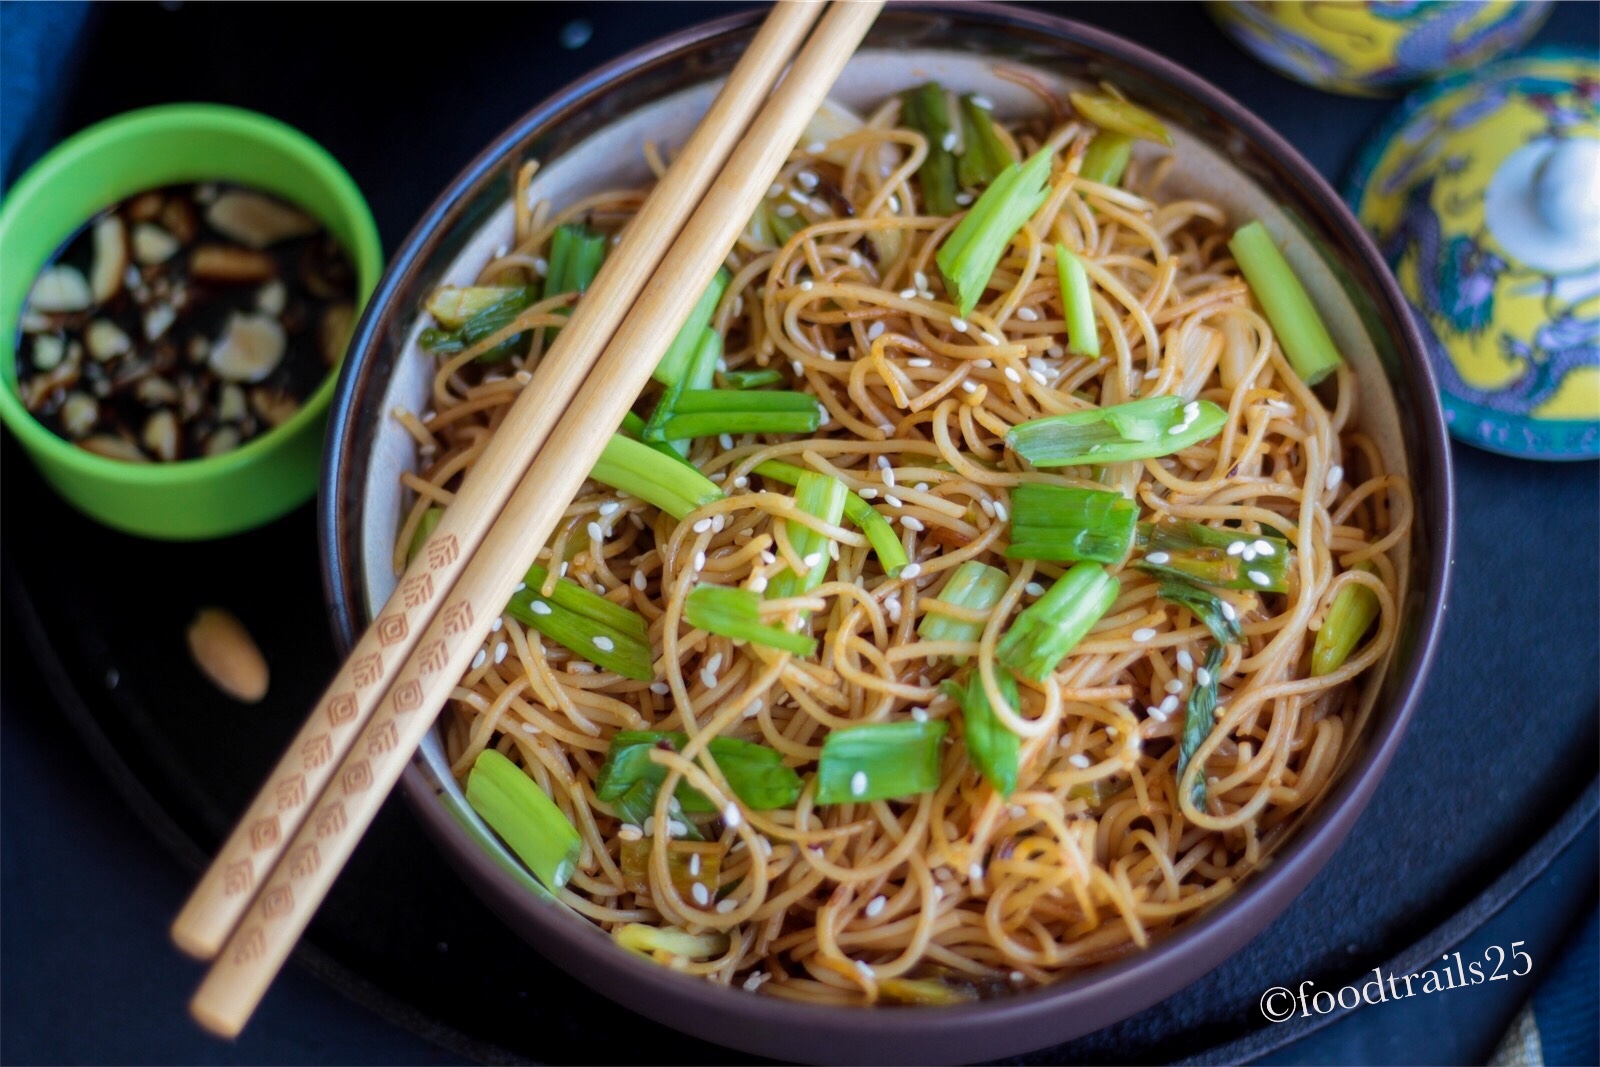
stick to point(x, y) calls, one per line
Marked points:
point(1127, 817)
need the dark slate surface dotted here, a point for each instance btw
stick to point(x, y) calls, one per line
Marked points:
point(1503, 744)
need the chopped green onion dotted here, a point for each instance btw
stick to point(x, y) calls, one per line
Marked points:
point(753, 379)
point(983, 154)
point(822, 497)
point(668, 483)
point(928, 992)
point(587, 624)
point(670, 941)
point(524, 817)
point(891, 553)
point(1106, 158)
point(1054, 522)
point(698, 374)
point(880, 761)
point(1198, 721)
point(425, 527)
point(1348, 619)
point(973, 250)
point(783, 225)
point(994, 750)
point(924, 109)
point(1225, 559)
point(683, 868)
point(1083, 336)
point(708, 412)
point(736, 613)
point(491, 320)
point(629, 779)
point(452, 305)
point(1139, 429)
point(973, 585)
point(576, 253)
point(1289, 309)
point(1049, 628)
point(1203, 605)
point(1117, 115)
point(676, 359)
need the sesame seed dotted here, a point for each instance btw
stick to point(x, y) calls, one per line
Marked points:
point(1264, 548)
point(500, 651)
point(732, 816)
point(875, 331)
point(1153, 372)
point(521, 586)
point(1156, 713)
point(858, 783)
point(604, 643)
point(715, 662)
point(975, 872)
point(948, 141)
point(963, 199)
point(699, 561)
point(1055, 351)
point(539, 607)
point(910, 570)
point(649, 826)
point(894, 204)
point(798, 368)
point(694, 864)
point(1000, 511)
point(1033, 589)
point(725, 906)
point(1017, 977)
point(1182, 427)
point(754, 709)
point(774, 190)
point(639, 580)
point(988, 506)
point(596, 533)
point(523, 376)
point(959, 325)
point(1157, 558)
point(920, 280)
point(892, 500)
point(1078, 760)
point(982, 364)
point(1012, 375)
point(1202, 677)
point(812, 559)
point(1185, 660)
point(1175, 685)
point(702, 895)
point(561, 571)
point(806, 179)
point(1169, 705)
point(630, 832)
point(1228, 611)
point(991, 338)
point(1248, 554)
point(805, 286)
point(785, 211)
point(1236, 548)
point(1143, 634)
point(919, 362)
point(875, 906)
point(660, 688)
point(676, 828)
point(798, 197)
point(1191, 411)
point(541, 266)
point(1027, 315)
point(968, 387)
point(753, 983)
point(1335, 476)
point(919, 714)
point(865, 969)
point(725, 440)
point(1259, 577)
point(911, 522)
point(709, 677)
point(480, 658)
point(981, 102)
point(908, 294)
point(741, 482)
point(498, 622)
point(701, 526)
point(921, 487)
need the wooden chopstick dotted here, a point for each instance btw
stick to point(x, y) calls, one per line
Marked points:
point(279, 810)
point(241, 974)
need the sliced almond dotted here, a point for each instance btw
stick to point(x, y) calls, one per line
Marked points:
point(230, 265)
point(33, 322)
point(256, 220)
point(272, 298)
point(157, 320)
point(145, 206)
point(104, 444)
point(224, 440)
point(79, 414)
point(153, 390)
point(180, 220)
point(333, 334)
point(60, 288)
point(48, 351)
point(226, 653)
point(106, 340)
point(231, 404)
point(152, 244)
point(37, 390)
point(275, 408)
point(250, 349)
point(161, 435)
point(110, 258)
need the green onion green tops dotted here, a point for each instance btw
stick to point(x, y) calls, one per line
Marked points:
point(972, 585)
point(1049, 628)
point(973, 250)
point(492, 319)
point(699, 373)
point(823, 497)
point(1139, 429)
point(1083, 337)
point(670, 941)
point(994, 750)
point(736, 613)
point(708, 412)
point(629, 779)
point(983, 155)
point(880, 761)
point(1348, 619)
point(1289, 309)
point(1118, 116)
point(1213, 612)
point(688, 338)
point(639, 470)
point(754, 378)
point(1198, 721)
point(1053, 522)
point(924, 109)
point(1225, 559)
point(587, 624)
point(524, 817)
point(885, 542)
point(1106, 158)
point(576, 253)
point(453, 306)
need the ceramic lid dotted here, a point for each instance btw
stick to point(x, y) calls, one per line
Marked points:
point(1484, 194)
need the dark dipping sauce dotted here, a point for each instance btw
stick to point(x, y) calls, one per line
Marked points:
point(183, 322)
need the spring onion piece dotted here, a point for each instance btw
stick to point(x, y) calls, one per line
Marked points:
point(736, 613)
point(708, 412)
point(885, 542)
point(1083, 336)
point(1203, 605)
point(880, 761)
point(699, 373)
point(756, 773)
point(669, 484)
point(782, 224)
point(452, 306)
point(1225, 559)
point(973, 250)
point(576, 253)
point(1139, 429)
point(929, 992)
point(587, 624)
point(425, 527)
point(994, 750)
point(822, 497)
point(1289, 309)
point(1106, 159)
point(1046, 630)
point(924, 109)
point(491, 320)
point(681, 865)
point(973, 585)
point(1348, 619)
point(1117, 115)
point(983, 155)
point(753, 379)
point(1198, 721)
point(524, 817)
point(676, 359)
point(669, 941)
point(1096, 792)
point(1055, 522)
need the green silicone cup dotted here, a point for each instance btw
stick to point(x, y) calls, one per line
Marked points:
point(200, 498)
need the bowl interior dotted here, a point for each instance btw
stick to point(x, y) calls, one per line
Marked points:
point(1217, 160)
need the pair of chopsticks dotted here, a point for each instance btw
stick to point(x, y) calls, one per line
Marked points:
point(264, 885)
